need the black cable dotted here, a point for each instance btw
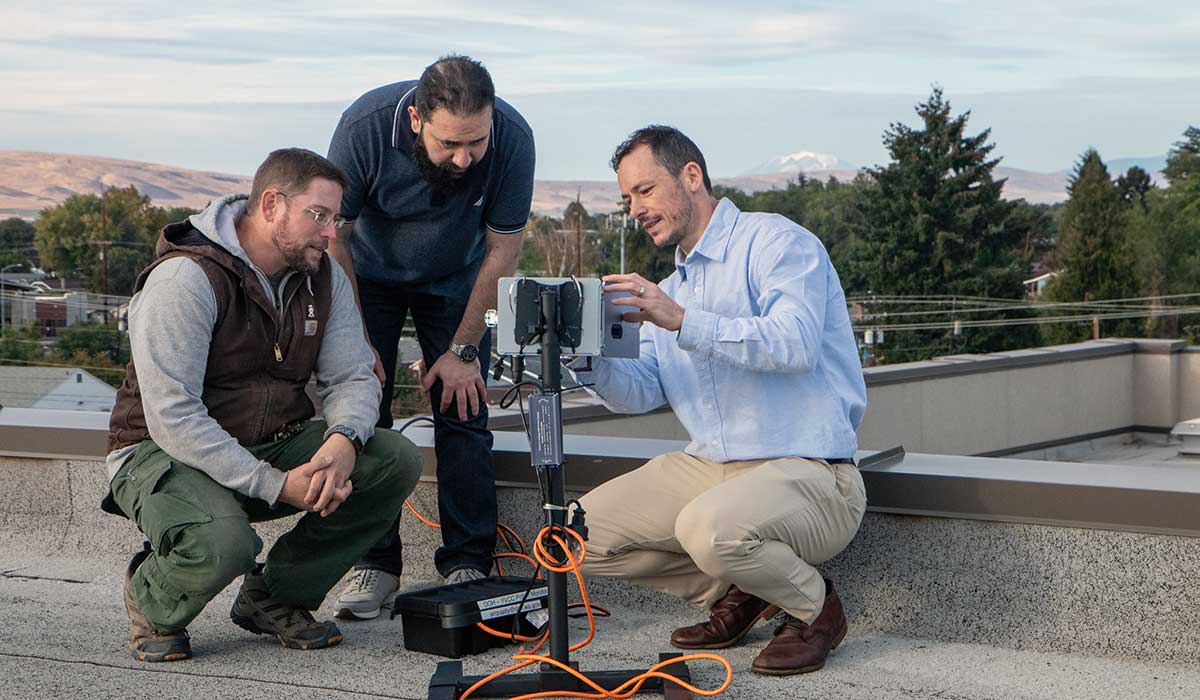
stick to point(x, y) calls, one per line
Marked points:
point(516, 623)
point(415, 419)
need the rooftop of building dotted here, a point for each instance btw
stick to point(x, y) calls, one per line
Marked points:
point(1035, 537)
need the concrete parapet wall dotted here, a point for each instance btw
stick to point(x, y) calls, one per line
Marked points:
point(1024, 586)
point(1014, 585)
point(997, 403)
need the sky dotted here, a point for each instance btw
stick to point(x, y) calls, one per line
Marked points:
point(217, 85)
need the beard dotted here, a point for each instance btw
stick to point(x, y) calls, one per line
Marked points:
point(683, 216)
point(444, 178)
point(295, 253)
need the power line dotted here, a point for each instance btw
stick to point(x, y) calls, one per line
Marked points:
point(1079, 318)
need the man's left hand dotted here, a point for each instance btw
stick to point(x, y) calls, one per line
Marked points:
point(461, 382)
point(654, 304)
point(330, 486)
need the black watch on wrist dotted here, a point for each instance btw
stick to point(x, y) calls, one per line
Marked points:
point(349, 433)
point(465, 352)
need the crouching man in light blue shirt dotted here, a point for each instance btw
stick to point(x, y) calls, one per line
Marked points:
point(749, 342)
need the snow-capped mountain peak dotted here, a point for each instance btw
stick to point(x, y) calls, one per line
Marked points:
point(801, 161)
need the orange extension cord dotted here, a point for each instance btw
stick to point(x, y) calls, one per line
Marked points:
point(528, 658)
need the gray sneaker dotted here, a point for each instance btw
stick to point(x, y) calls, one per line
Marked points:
point(366, 593)
point(463, 575)
point(255, 610)
point(147, 643)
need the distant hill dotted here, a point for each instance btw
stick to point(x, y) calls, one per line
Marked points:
point(1118, 166)
point(31, 181)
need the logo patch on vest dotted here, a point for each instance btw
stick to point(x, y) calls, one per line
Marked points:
point(311, 312)
point(310, 327)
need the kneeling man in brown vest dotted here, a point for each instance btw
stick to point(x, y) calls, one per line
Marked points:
point(212, 429)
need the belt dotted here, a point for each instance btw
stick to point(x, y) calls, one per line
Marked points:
point(288, 431)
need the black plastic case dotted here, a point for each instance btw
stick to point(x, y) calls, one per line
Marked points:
point(442, 620)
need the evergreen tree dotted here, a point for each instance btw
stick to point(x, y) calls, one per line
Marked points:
point(934, 223)
point(1165, 235)
point(1183, 161)
point(1094, 257)
point(1133, 186)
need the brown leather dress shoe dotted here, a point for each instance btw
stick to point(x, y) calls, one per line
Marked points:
point(732, 617)
point(799, 647)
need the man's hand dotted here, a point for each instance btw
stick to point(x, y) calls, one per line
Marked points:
point(656, 307)
point(461, 382)
point(295, 487)
point(418, 370)
point(329, 487)
point(380, 374)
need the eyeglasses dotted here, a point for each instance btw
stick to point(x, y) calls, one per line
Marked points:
point(323, 218)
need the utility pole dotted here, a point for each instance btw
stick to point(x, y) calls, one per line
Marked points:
point(104, 243)
point(624, 223)
point(579, 235)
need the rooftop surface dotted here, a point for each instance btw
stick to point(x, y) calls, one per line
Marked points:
point(1134, 449)
point(64, 637)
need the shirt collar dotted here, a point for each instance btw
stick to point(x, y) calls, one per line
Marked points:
point(714, 242)
point(402, 133)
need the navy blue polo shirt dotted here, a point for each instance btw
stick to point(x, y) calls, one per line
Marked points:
point(404, 233)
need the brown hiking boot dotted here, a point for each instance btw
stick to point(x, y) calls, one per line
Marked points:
point(146, 643)
point(732, 617)
point(799, 647)
point(255, 610)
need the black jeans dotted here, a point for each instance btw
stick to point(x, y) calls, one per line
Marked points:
point(466, 484)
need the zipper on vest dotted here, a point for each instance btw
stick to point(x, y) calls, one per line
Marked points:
point(282, 309)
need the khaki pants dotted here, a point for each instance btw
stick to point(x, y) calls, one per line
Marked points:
point(692, 527)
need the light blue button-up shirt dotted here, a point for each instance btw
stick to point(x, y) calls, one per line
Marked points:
point(765, 364)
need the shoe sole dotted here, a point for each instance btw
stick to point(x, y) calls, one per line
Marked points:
point(767, 614)
point(159, 658)
point(249, 625)
point(803, 669)
point(349, 613)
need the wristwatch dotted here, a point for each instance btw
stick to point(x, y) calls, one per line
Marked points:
point(465, 352)
point(349, 433)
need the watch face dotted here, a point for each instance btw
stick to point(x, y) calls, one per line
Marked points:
point(468, 353)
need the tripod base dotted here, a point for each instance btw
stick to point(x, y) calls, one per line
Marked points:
point(448, 682)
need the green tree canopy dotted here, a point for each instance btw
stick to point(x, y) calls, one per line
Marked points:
point(70, 237)
point(1094, 256)
point(16, 244)
point(934, 223)
point(1183, 161)
point(1133, 186)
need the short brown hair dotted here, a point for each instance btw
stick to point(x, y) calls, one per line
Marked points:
point(290, 170)
point(670, 148)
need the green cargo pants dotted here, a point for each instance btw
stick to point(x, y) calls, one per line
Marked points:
point(201, 532)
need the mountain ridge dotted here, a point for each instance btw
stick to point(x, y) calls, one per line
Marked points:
point(31, 181)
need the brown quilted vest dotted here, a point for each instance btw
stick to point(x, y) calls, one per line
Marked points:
point(259, 361)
